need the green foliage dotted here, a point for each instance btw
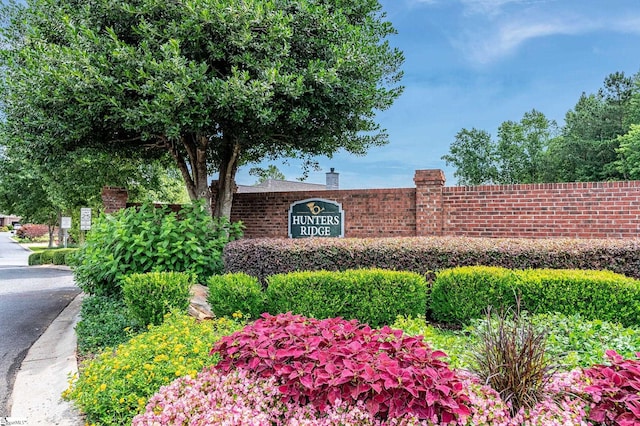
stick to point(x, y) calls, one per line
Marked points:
point(150, 296)
point(473, 156)
point(460, 294)
point(518, 156)
point(148, 239)
point(4, 229)
point(46, 257)
point(372, 296)
point(239, 292)
point(115, 386)
point(104, 323)
point(59, 256)
point(455, 343)
point(63, 256)
point(595, 295)
point(214, 84)
point(35, 259)
point(572, 341)
point(425, 255)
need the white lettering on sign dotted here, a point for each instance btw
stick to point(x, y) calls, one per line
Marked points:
point(315, 231)
point(315, 220)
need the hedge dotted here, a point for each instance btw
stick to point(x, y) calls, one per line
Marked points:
point(231, 293)
point(59, 256)
point(424, 255)
point(373, 296)
point(152, 295)
point(461, 294)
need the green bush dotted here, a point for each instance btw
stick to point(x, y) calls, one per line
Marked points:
point(35, 259)
point(4, 229)
point(373, 296)
point(150, 296)
point(148, 239)
point(425, 255)
point(594, 295)
point(60, 256)
point(232, 293)
point(104, 323)
point(461, 294)
point(46, 257)
point(116, 385)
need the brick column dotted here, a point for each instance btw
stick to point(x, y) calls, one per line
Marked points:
point(429, 202)
point(114, 198)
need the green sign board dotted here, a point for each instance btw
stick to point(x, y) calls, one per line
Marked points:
point(316, 217)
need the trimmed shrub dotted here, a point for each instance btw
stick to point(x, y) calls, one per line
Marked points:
point(148, 239)
point(323, 361)
point(231, 293)
point(116, 385)
point(35, 259)
point(46, 257)
point(103, 323)
point(424, 255)
point(149, 297)
point(461, 294)
point(594, 295)
point(60, 256)
point(373, 296)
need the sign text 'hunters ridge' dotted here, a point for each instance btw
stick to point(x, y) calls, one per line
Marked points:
point(316, 217)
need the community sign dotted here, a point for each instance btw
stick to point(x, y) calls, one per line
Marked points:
point(316, 217)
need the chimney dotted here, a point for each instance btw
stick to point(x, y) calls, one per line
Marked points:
point(333, 180)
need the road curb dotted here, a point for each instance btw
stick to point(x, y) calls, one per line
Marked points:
point(45, 371)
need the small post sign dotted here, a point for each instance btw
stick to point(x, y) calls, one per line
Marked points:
point(85, 219)
point(65, 222)
point(316, 217)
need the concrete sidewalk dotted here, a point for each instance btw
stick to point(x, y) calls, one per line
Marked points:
point(45, 372)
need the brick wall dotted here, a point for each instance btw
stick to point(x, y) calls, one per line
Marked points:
point(114, 198)
point(368, 213)
point(572, 210)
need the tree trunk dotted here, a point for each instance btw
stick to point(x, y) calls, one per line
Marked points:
point(60, 231)
point(227, 181)
point(195, 172)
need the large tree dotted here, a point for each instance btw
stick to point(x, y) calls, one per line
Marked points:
point(214, 83)
point(473, 154)
point(587, 150)
point(518, 156)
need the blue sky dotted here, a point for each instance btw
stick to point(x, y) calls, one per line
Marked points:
point(477, 63)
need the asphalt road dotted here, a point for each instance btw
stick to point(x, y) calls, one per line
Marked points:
point(30, 299)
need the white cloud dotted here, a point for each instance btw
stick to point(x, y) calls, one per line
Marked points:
point(507, 37)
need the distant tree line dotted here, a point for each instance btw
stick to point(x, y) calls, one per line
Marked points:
point(600, 141)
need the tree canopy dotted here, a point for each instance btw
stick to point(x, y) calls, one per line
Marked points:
point(596, 142)
point(213, 83)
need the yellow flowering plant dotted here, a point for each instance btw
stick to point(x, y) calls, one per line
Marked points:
point(115, 386)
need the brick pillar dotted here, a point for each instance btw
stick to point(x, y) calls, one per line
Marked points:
point(114, 198)
point(429, 204)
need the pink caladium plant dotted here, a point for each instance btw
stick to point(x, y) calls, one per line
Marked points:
point(615, 390)
point(324, 361)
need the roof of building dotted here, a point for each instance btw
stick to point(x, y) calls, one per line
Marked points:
point(276, 185)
